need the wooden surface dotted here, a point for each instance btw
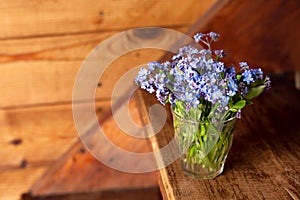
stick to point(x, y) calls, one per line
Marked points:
point(32, 138)
point(47, 18)
point(264, 161)
point(44, 42)
point(77, 172)
point(42, 45)
point(14, 182)
point(58, 75)
point(37, 135)
point(260, 32)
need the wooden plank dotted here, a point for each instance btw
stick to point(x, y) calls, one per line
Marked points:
point(262, 32)
point(43, 70)
point(82, 173)
point(37, 135)
point(38, 17)
point(52, 81)
point(54, 48)
point(77, 171)
point(15, 182)
point(54, 60)
point(264, 160)
point(133, 194)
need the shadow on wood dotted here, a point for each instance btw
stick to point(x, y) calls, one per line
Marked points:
point(264, 33)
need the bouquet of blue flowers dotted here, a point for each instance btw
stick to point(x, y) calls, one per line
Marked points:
point(201, 88)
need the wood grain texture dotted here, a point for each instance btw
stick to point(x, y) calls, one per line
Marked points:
point(44, 43)
point(38, 17)
point(78, 172)
point(126, 194)
point(36, 136)
point(55, 48)
point(53, 81)
point(15, 182)
point(82, 173)
point(262, 33)
point(43, 70)
point(264, 160)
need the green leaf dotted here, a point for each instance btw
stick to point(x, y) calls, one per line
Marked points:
point(205, 138)
point(232, 110)
point(255, 91)
point(238, 76)
point(239, 105)
point(248, 102)
point(192, 151)
point(180, 109)
point(203, 131)
point(222, 74)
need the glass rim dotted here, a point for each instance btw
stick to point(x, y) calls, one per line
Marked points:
point(199, 122)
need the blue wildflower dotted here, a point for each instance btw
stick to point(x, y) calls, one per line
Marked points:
point(197, 77)
point(247, 76)
point(220, 53)
point(230, 72)
point(142, 75)
point(244, 65)
point(232, 88)
point(239, 114)
point(257, 74)
point(199, 36)
point(243, 89)
point(219, 67)
point(214, 36)
point(152, 65)
point(162, 95)
point(267, 83)
point(224, 101)
point(150, 89)
point(177, 56)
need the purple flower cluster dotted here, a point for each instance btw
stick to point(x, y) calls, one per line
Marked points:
point(251, 77)
point(195, 76)
point(155, 79)
point(190, 77)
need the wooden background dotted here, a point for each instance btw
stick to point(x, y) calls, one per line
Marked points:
point(44, 42)
point(42, 45)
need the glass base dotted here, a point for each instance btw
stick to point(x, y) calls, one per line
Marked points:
point(198, 172)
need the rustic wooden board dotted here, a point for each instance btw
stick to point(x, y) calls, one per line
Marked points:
point(78, 172)
point(37, 135)
point(15, 182)
point(44, 42)
point(82, 173)
point(43, 70)
point(41, 48)
point(53, 48)
point(44, 82)
point(126, 194)
point(38, 17)
point(263, 33)
point(264, 162)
